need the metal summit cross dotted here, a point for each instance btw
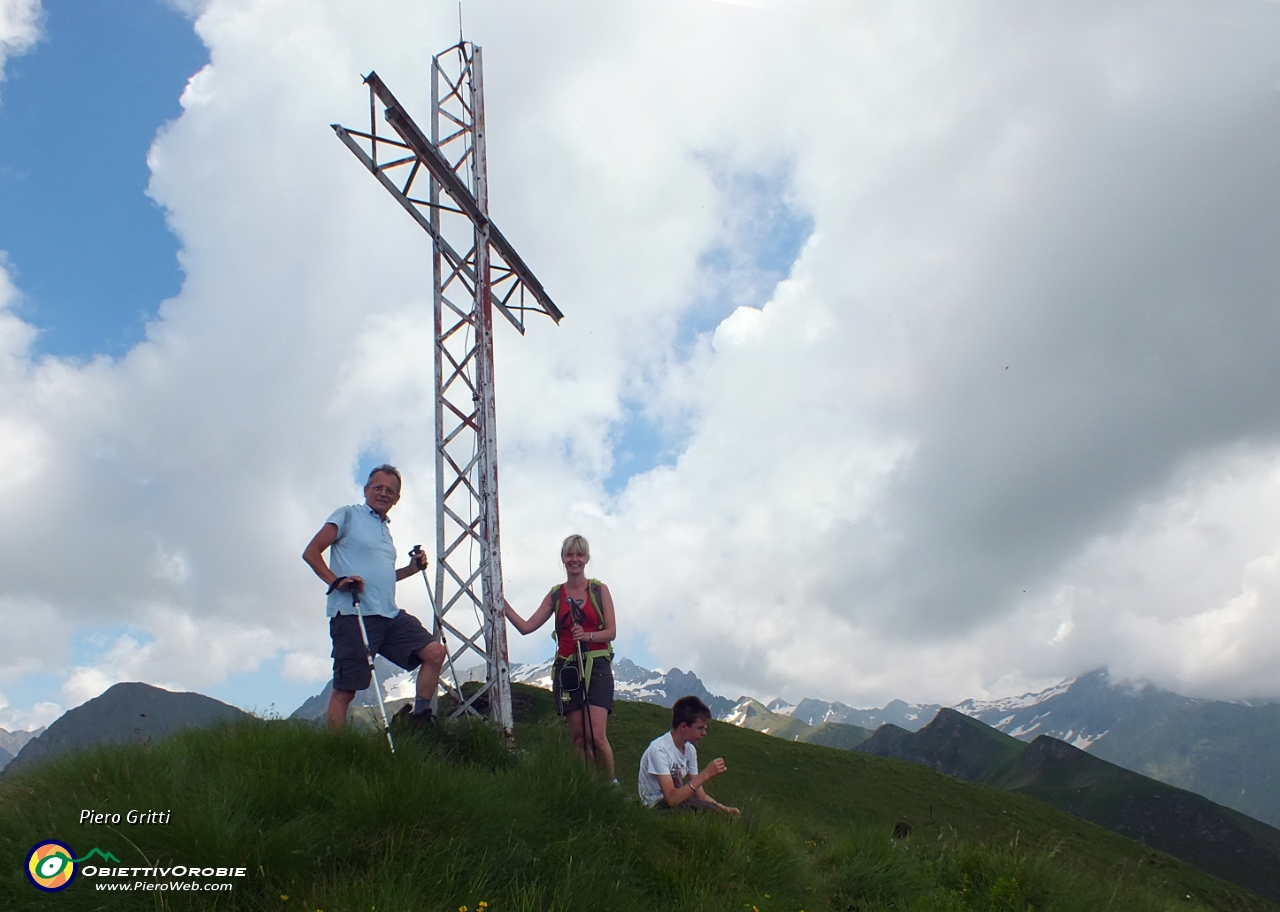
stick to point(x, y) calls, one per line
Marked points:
point(475, 272)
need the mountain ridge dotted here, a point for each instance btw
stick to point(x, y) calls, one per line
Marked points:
point(1186, 825)
point(126, 712)
point(1220, 750)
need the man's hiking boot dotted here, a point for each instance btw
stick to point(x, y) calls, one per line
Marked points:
point(406, 716)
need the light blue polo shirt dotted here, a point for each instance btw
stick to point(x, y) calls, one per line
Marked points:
point(363, 548)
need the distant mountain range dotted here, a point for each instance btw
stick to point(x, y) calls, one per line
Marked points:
point(15, 741)
point(123, 713)
point(1224, 751)
point(911, 716)
point(12, 742)
point(1186, 825)
point(631, 682)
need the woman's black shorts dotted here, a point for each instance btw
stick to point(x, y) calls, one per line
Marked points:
point(599, 693)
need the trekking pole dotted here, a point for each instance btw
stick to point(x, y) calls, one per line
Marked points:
point(579, 616)
point(364, 635)
point(438, 633)
point(586, 707)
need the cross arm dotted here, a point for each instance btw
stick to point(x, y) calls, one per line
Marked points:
point(433, 161)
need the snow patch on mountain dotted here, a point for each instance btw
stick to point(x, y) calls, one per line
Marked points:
point(535, 675)
point(1079, 711)
point(1084, 742)
point(911, 716)
point(630, 682)
point(977, 708)
point(742, 713)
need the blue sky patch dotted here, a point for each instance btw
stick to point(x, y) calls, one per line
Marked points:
point(762, 235)
point(24, 692)
point(89, 646)
point(265, 691)
point(639, 445)
point(368, 460)
point(89, 251)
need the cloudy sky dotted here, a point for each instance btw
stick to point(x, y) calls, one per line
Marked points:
point(912, 349)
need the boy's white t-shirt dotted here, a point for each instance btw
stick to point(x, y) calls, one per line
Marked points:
point(663, 758)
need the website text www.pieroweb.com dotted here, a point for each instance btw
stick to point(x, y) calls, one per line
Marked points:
point(178, 877)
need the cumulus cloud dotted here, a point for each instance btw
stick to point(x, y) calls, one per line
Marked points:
point(19, 28)
point(1006, 417)
point(38, 716)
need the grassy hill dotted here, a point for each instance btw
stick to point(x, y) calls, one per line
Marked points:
point(336, 823)
point(953, 744)
point(836, 734)
point(1224, 751)
point(1189, 826)
point(755, 716)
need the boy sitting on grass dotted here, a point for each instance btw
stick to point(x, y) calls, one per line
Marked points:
point(669, 776)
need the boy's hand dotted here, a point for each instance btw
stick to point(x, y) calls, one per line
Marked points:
point(713, 769)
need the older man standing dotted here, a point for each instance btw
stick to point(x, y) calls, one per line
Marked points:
point(362, 559)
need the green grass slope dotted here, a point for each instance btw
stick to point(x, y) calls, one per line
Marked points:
point(755, 716)
point(952, 743)
point(1188, 826)
point(1223, 751)
point(837, 734)
point(336, 823)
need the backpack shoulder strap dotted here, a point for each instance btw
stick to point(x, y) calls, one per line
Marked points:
point(555, 610)
point(596, 599)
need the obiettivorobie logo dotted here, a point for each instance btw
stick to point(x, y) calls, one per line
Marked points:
point(51, 865)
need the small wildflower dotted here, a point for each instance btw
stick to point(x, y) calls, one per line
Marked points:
point(462, 909)
point(283, 898)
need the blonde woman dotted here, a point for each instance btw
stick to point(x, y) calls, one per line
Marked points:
point(584, 633)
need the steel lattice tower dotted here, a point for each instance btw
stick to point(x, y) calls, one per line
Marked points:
point(442, 183)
